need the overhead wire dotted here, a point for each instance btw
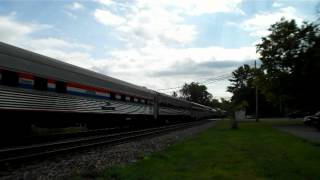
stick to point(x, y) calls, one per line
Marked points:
point(220, 77)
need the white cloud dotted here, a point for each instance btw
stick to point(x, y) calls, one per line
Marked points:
point(156, 34)
point(259, 24)
point(192, 7)
point(157, 59)
point(144, 22)
point(156, 37)
point(12, 31)
point(20, 34)
point(75, 6)
point(144, 25)
point(163, 67)
point(55, 43)
point(156, 26)
point(105, 2)
point(71, 15)
point(276, 4)
point(107, 18)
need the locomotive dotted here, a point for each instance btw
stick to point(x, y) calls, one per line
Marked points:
point(48, 92)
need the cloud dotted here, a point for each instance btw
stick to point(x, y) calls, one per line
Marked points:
point(190, 68)
point(194, 8)
point(156, 26)
point(157, 35)
point(259, 24)
point(75, 6)
point(163, 22)
point(158, 38)
point(20, 34)
point(168, 67)
point(276, 4)
point(55, 43)
point(71, 15)
point(107, 18)
point(189, 7)
point(105, 2)
point(12, 30)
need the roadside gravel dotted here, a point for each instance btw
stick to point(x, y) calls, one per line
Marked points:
point(91, 162)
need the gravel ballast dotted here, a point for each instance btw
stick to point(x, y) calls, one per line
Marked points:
point(93, 161)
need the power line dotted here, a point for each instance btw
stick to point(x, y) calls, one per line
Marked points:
point(220, 77)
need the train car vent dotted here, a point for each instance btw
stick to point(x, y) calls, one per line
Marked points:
point(61, 87)
point(40, 84)
point(10, 78)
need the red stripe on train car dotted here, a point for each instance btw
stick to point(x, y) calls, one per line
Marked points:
point(26, 76)
point(51, 81)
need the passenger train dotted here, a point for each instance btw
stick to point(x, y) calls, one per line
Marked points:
point(48, 92)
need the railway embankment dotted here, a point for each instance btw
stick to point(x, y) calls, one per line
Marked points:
point(92, 162)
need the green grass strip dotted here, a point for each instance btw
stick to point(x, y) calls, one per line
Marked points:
point(254, 151)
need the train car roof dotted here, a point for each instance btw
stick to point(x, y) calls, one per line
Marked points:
point(41, 59)
point(174, 98)
point(203, 106)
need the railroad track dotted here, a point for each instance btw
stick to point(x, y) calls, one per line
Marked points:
point(46, 150)
point(39, 139)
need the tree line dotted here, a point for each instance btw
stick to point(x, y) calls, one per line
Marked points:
point(198, 93)
point(287, 76)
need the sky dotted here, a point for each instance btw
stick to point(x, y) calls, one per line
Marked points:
point(158, 44)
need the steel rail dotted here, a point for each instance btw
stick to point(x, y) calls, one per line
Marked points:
point(24, 153)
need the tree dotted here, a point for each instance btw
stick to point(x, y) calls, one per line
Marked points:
point(290, 64)
point(242, 87)
point(196, 93)
point(243, 82)
point(174, 94)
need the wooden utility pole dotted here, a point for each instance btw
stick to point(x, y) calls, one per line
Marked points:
point(257, 112)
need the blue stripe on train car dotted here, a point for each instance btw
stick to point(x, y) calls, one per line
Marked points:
point(26, 86)
point(51, 89)
point(87, 95)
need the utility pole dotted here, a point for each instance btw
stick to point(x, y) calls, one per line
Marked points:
point(257, 112)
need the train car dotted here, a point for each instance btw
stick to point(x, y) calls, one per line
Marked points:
point(172, 107)
point(199, 111)
point(48, 92)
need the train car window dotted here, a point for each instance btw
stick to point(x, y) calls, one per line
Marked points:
point(40, 84)
point(131, 99)
point(61, 87)
point(112, 96)
point(10, 78)
point(123, 97)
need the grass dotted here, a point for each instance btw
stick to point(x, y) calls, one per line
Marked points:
point(254, 151)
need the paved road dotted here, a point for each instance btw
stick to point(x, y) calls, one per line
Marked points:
point(305, 132)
